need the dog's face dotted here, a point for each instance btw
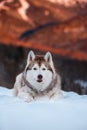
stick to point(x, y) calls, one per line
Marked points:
point(39, 70)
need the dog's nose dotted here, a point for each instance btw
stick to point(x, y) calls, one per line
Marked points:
point(40, 76)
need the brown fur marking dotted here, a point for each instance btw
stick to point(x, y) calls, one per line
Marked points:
point(39, 59)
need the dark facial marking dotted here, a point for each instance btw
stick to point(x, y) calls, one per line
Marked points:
point(30, 66)
point(48, 67)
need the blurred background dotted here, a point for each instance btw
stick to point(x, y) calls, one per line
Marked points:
point(58, 26)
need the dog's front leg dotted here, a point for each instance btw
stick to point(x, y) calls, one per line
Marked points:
point(25, 96)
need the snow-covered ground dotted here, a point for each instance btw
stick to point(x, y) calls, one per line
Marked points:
point(69, 113)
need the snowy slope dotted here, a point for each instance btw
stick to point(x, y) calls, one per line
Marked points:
point(68, 2)
point(69, 113)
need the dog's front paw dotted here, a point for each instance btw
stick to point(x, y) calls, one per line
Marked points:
point(28, 99)
point(25, 96)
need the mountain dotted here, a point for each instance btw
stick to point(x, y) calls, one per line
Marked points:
point(66, 35)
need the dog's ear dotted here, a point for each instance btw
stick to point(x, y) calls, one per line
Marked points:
point(48, 57)
point(31, 56)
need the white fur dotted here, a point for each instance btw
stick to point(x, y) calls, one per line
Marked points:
point(32, 77)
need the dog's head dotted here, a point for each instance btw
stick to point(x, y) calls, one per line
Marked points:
point(39, 70)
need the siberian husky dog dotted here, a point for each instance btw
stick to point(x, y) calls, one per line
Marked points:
point(39, 79)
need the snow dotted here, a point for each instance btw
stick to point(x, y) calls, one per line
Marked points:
point(68, 113)
point(68, 2)
point(82, 83)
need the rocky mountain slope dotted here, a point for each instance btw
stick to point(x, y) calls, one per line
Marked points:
point(67, 35)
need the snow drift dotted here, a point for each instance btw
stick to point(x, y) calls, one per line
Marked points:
point(69, 113)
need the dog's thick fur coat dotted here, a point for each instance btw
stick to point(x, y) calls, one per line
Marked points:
point(39, 79)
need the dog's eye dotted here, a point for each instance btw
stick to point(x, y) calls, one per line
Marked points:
point(34, 68)
point(43, 69)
